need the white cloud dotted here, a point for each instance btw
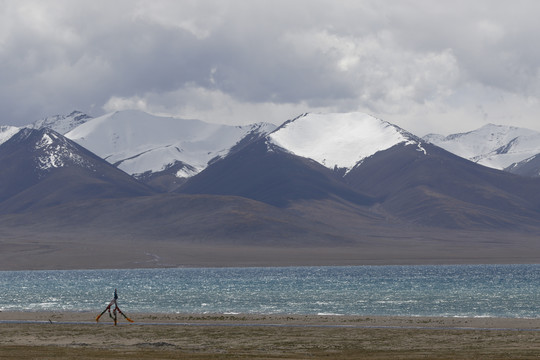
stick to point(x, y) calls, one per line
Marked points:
point(200, 18)
point(490, 32)
point(380, 74)
point(420, 64)
point(213, 106)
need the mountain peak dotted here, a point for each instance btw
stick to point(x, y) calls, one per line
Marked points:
point(140, 143)
point(491, 126)
point(339, 140)
point(496, 146)
point(50, 149)
point(61, 123)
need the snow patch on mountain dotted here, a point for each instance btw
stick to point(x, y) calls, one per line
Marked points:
point(6, 132)
point(340, 140)
point(59, 123)
point(62, 124)
point(495, 146)
point(137, 142)
point(55, 152)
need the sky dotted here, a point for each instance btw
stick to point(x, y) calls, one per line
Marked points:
point(427, 66)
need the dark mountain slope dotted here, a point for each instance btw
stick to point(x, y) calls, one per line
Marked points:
point(179, 218)
point(206, 230)
point(441, 189)
point(528, 167)
point(43, 168)
point(269, 174)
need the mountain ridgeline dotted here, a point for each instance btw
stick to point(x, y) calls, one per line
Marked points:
point(332, 181)
point(43, 168)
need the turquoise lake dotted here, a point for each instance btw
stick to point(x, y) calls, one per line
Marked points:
point(456, 290)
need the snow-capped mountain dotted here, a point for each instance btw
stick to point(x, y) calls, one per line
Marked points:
point(495, 146)
point(6, 132)
point(43, 168)
point(309, 157)
point(59, 123)
point(62, 124)
point(346, 182)
point(54, 151)
point(360, 160)
point(340, 141)
point(139, 143)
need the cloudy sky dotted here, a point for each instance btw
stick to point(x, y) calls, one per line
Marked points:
point(428, 66)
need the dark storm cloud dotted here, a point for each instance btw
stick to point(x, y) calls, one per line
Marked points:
point(421, 64)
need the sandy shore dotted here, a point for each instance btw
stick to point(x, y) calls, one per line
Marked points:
point(222, 336)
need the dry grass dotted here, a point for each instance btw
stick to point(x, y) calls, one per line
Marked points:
point(240, 337)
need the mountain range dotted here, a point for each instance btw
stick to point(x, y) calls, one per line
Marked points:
point(156, 148)
point(501, 147)
point(130, 189)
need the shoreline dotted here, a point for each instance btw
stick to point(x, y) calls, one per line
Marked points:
point(218, 319)
point(69, 335)
point(218, 265)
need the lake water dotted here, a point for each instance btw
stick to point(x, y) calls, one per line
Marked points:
point(461, 290)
